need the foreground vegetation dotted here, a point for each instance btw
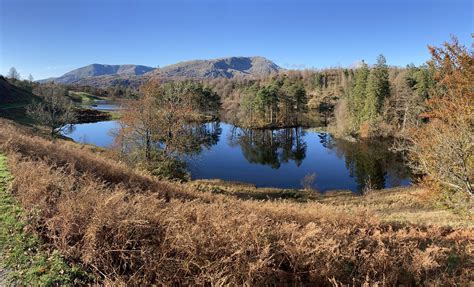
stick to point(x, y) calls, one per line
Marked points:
point(23, 259)
point(414, 204)
point(130, 229)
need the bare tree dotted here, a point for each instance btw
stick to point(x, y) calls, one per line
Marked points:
point(30, 78)
point(13, 74)
point(55, 111)
point(139, 119)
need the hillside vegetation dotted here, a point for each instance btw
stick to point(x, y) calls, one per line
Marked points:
point(12, 95)
point(220, 68)
point(23, 260)
point(113, 214)
point(14, 98)
point(127, 228)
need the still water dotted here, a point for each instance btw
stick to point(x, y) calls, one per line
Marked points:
point(277, 158)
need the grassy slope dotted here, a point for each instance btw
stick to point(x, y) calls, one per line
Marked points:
point(13, 102)
point(19, 250)
point(86, 99)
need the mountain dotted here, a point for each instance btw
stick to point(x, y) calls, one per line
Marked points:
point(220, 68)
point(99, 75)
point(100, 70)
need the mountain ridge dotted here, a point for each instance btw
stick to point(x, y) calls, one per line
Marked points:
point(227, 67)
point(97, 70)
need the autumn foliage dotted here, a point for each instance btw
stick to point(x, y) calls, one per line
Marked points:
point(443, 148)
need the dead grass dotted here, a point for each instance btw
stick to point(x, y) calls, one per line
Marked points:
point(129, 229)
point(400, 204)
point(249, 191)
point(83, 161)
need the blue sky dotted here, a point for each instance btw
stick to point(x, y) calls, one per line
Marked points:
point(50, 37)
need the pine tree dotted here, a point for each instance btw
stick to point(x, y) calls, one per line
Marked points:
point(357, 94)
point(378, 88)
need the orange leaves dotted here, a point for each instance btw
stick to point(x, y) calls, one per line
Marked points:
point(454, 73)
point(443, 148)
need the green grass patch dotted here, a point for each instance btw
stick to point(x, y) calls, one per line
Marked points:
point(26, 264)
point(83, 97)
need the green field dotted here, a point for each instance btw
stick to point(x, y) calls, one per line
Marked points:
point(83, 97)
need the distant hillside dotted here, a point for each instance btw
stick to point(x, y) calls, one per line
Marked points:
point(11, 94)
point(13, 102)
point(98, 70)
point(98, 75)
point(220, 68)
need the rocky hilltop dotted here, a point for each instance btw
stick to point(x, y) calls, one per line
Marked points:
point(220, 68)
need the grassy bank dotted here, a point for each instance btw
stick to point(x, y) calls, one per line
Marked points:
point(23, 261)
point(131, 229)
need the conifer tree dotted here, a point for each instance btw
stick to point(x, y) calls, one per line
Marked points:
point(378, 88)
point(357, 95)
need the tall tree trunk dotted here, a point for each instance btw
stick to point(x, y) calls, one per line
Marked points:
point(405, 116)
point(271, 115)
point(147, 146)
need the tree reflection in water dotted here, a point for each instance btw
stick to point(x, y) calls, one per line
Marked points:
point(368, 162)
point(270, 147)
point(219, 150)
point(196, 136)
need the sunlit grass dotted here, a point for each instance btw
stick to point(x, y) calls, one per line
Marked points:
point(83, 97)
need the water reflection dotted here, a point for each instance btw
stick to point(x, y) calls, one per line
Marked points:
point(371, 163)
point(197, 136)
point(270, 147)
point(274, 158)
point(103, 105)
